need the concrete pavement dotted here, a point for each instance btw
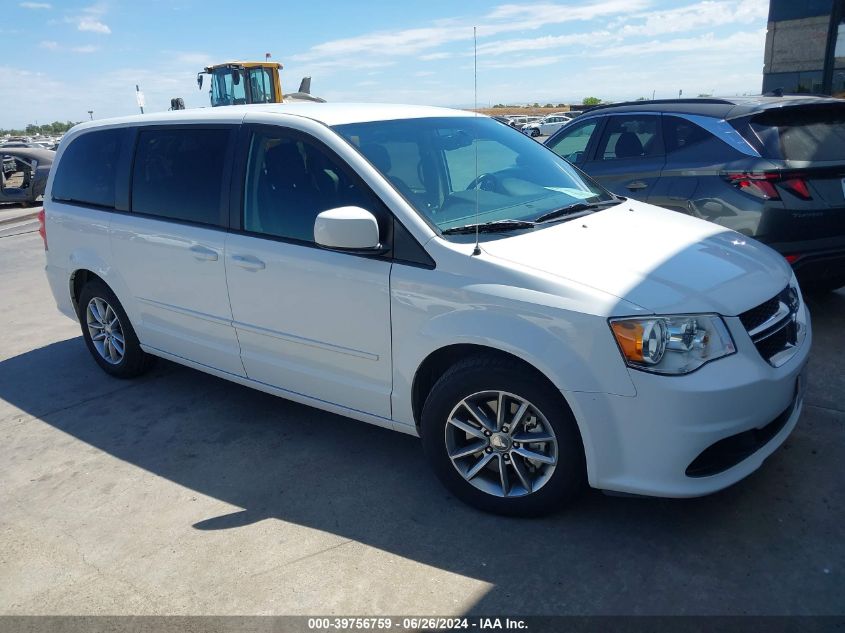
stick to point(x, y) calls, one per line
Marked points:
point(180, 493)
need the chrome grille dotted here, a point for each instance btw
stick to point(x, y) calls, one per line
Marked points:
point(774, 326)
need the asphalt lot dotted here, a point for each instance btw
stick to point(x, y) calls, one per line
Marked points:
point(180, 493)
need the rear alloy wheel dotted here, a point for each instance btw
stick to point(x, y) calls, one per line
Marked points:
point(502, 439)
point(105, 331)
point(108, 333)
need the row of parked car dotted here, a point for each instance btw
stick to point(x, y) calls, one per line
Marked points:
point(535, 126)
point(772, 168)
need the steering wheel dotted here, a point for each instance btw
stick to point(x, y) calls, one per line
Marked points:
point(485, 182)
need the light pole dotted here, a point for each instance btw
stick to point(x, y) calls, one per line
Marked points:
point(91, 115)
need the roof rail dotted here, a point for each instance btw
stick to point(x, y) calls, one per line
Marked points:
point(707, 100)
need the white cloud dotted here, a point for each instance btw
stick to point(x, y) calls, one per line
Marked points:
point(35, 5)
point(696, 16)
point(524, 62)
point(434, 56)
point(503, 19)
point(90, 19)
point(50, 45)
point(503, 47)
point(89, 48)
point(737, 44)
point(92, 24)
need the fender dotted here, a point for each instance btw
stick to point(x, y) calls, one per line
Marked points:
point(561, 345)
point(87, 259)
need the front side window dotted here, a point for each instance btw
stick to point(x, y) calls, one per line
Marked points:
point(178, 173)
point(86, 173)
point(628, 137)
point(289, 182)
point(450, 164)
point(572, 144)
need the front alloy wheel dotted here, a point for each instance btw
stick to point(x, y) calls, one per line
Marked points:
point(501, 444)
point(501, 437)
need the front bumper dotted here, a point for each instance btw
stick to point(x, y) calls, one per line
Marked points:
point(648, 444)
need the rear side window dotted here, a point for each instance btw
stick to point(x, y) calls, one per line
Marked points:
point(87, 170)
point(680, 134)
point(811, 135)
point(630, 137)
point(178, 173)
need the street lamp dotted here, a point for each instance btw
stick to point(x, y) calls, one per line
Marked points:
point(91, 114)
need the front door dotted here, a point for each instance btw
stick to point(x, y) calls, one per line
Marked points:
point(310, 321)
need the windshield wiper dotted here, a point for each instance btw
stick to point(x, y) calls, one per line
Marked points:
point(490, 227)
point(574, 208)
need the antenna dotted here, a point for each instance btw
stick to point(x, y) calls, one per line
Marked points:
point(477, 249)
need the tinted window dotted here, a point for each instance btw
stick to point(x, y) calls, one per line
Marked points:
point(86, 172)
point(572, 144)
point(289, 182)
point(809, 135)
point(680, 134)
point(179, 173)
point(630, 137)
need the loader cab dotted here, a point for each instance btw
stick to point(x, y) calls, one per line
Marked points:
point(239, 83)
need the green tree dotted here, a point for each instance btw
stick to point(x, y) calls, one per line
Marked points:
point(591, 101)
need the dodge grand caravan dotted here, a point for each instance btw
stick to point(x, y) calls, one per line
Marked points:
point(437, 273)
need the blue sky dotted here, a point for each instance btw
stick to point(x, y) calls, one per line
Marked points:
point(62, 58)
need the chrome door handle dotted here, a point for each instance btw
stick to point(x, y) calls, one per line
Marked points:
point(248, 262)
point(636, 185)
point(203, 254)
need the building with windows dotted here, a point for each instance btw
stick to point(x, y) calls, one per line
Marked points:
point(805, 47)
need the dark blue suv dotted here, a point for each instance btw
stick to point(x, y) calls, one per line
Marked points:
point(768, 167)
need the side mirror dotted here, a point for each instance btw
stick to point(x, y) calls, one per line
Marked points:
point(199, 81)
point(350, 229)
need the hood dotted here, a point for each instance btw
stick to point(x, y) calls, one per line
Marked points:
point(663, 261)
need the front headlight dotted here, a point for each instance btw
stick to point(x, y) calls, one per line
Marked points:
point(675, 344)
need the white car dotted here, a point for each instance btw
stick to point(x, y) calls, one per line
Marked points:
point(546, 126)
point(437, 273)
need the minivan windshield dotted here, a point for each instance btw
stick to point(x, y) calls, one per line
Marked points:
point(443, 166)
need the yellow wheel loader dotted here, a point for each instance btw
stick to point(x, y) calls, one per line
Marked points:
point(235, 83)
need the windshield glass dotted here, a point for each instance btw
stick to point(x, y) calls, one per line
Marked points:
point(442, 165)
point(227, 87)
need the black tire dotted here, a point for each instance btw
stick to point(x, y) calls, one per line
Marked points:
point(491, 373)
point(135, 361)
point(535, 133)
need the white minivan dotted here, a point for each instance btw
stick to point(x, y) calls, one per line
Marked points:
point(437, 273)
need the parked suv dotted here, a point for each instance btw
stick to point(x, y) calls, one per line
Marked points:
point(768, 167)
point(436, 273)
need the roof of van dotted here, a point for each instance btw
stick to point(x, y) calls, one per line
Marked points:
point(327, 113)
